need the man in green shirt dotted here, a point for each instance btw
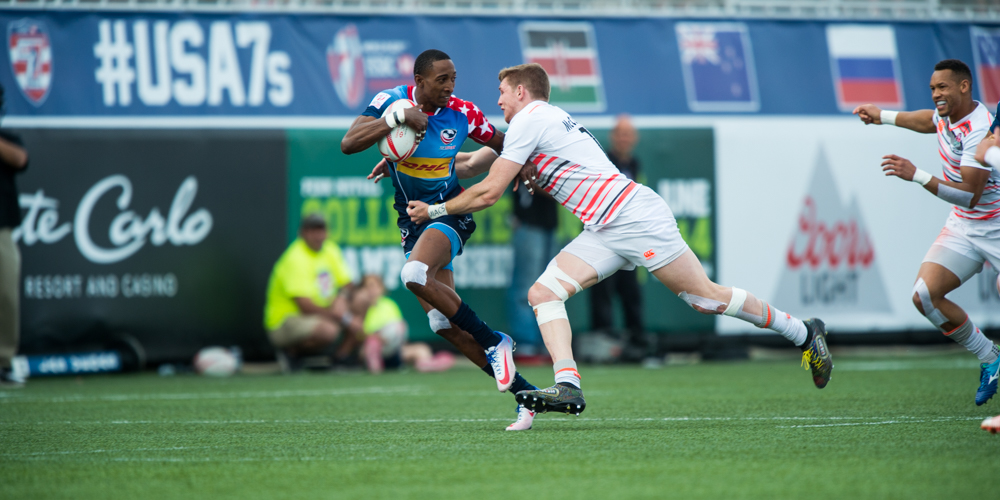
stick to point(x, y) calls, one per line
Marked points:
point(310, 304)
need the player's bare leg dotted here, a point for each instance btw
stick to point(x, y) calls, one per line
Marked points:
point(566, 275)
point(422, 275)
point(933, 283)
point(686, 277)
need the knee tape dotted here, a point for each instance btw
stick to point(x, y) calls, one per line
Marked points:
point(932, 314)
point(702, 302)
point(548, 311)
point(550, 278)
point(437, 320)
point(414, 272)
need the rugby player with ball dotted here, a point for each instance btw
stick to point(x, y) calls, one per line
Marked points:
point(424, 165)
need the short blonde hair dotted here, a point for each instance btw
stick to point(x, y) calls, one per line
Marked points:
point(531, 76)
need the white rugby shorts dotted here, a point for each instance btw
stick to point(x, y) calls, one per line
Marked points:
point(963, 246)
point(643, 234)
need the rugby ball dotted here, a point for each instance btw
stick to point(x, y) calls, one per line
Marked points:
point(216, 362)
point(401, 141)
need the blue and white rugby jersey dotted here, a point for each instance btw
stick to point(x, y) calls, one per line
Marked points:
point(429, 174)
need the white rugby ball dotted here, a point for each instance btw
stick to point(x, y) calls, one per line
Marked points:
point(401, 141)
point(215, 361)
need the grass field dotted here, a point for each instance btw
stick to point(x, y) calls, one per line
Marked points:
point(883, 428)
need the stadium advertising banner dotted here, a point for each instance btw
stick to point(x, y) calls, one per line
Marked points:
point(225, 68)
point(808, 221)
point(167, 236)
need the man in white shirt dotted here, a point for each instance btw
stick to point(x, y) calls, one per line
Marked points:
point(625, 225)
point(971, 234)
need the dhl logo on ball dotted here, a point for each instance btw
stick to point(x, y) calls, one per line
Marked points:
point(425, 168)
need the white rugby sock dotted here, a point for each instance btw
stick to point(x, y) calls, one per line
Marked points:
point(970, 336)
point(788, 326)
point(566, 372)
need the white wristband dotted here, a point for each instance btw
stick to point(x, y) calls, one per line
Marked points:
point(993, 156)
point(921, 177)
point(396, 118)
point(889, 117)
point(435, 211)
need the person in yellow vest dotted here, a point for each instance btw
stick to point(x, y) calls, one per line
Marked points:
point(385, 344)
point(310, 299)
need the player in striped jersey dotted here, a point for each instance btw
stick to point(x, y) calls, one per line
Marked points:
point(971, 235)
point(625, 225)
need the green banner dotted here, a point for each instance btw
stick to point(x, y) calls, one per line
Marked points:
point(677, 163)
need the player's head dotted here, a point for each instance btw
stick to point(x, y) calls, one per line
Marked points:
point(434, 74)
point(951, 86)
point(520, 85)
point(624, 136)
point(312, 229)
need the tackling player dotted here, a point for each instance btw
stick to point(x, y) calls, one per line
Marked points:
point(971, 234)
point(431, 176)
point(625, 225)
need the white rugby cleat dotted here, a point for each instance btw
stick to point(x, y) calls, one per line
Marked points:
point(501, 358)
point(991, 424)
point(524, 419)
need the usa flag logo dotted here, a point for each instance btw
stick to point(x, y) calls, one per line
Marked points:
point(718, 66)
point(986, 54)
point(30, 58)
point(865, 66)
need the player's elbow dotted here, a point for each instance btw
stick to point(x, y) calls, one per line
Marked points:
point(348, 146)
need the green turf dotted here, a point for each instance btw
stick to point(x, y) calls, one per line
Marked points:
point(904, 428)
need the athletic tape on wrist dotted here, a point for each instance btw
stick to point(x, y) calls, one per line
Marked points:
point(889, 117)
point(993, 156)
point(921, 177)
point(390, 120)
point(435, 211)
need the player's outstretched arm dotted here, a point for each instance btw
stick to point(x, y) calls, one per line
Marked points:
point(919, 121)
point(469, 165)
point(478, 197)
point(964, 194)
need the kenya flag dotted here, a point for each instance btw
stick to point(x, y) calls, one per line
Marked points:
point(568, 52)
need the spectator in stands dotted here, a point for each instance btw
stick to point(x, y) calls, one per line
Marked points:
point(310, 299)
point(534, 240)
point(385, 345)
point(624, 138)
point(13, 161)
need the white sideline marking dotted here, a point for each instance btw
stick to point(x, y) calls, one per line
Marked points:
point(401, 390)
point(910, 364)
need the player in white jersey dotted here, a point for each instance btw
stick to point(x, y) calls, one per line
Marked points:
point(971, 235)
point(625, 225)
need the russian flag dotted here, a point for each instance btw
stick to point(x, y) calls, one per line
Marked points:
point(986, 51)
point(865, 66)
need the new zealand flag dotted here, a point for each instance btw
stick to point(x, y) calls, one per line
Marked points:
point(717, 61)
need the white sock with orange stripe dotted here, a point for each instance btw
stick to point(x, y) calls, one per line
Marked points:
point(566, 372)
point(788, 326)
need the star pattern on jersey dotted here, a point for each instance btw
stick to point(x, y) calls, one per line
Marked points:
point(479, 128)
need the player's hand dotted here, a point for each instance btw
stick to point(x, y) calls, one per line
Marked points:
point(417, 120)
point(869, 114)
point(985, 144)
point(417, 210)
point(381, 170)
point(900, 167)
point(527, 175)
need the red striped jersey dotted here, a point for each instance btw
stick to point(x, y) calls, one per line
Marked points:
point(572, 166)
point(957, 147)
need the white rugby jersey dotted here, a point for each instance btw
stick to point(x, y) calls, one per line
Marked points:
point(572, 166)
point(957, 146)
